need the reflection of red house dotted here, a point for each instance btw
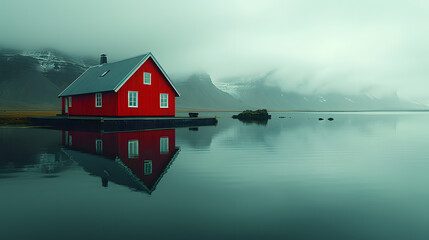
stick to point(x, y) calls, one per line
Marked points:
point(135, 159)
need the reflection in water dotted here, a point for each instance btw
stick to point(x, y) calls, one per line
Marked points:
point(51, 163)
point(361, 176)
point(134, 159)
point(258, 122)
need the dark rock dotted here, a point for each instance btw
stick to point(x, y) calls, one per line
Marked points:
point(330, 119)
point(281, 117)
point(320, 119)
point(260, 114)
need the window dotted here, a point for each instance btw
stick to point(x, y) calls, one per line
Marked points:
point(70, 104)
point(163, 145)
point(67, 137)
point(147, 167)
point(104, 74)
point(132, 99)
point(164, 100)
point(147, 78)
point(98, 100)
point(98, 146)
point(66, 105)
point(133, 148)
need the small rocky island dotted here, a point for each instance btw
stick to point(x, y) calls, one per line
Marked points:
point(260, 114)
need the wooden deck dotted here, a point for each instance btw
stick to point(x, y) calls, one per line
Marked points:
point(120, 123)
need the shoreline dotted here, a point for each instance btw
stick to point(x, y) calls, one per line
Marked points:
point(22, 116)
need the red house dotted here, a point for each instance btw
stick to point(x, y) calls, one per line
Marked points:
point(136, 86)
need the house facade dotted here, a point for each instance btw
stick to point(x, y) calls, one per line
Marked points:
point(132, 87)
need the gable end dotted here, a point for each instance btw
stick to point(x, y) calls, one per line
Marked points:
point(134, 70)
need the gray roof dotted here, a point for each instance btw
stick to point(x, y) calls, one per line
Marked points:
point(119, 72)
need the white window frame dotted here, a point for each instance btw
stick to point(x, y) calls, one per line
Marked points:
point(133, 148)
point(147, 167)
point(160, 100)
point(147, 78)
point(67, 137)
point(98, 146)
point(70, 101)
point(163, 145)
point(66, 105)
point(70, 140)
point(137, 99)
point(98, 96)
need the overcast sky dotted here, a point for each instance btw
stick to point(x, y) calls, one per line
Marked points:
point(315, 46)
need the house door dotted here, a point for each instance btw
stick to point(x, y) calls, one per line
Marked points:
point(66, 105)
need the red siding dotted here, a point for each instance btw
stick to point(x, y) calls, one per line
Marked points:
point(85, 105)
point(148, 95)
point(116, 104)
point(116, 144)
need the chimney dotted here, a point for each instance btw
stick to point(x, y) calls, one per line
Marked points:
point(103, 59)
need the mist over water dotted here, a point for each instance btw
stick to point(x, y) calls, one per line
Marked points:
point(360, 176)
point(365, 47)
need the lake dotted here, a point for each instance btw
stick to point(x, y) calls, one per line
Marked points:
point(360, 176)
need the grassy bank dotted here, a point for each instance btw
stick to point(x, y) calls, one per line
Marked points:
point(11, 116)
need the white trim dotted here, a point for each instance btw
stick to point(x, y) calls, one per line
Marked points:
point(137, 99)
point(144, 78)
point(164, 145)
point(131, 73)
point(165, 74)
point(70, 101)
point(66, 133)
point(105, 73)
point(59, 95)
point(66, 105)
point(133, 148)
point(101, 99)
point(98, 145)
point(147, 167)
point(116, 89)
point(160, 100)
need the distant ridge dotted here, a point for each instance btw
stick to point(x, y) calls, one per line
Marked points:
point(199, 92)
point(34, 78)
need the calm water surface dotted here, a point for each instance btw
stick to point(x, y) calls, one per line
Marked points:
point(361, 176)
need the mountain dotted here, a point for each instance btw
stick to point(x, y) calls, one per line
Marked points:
point(33, 79)
point(199, 93)
point(258, 92)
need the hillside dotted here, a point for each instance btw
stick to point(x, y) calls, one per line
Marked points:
point(260, 93)
point(199, 93)
point(33, 79)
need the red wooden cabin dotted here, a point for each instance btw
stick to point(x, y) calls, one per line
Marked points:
point(136, 86)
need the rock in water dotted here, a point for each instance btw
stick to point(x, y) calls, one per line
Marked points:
point(260, 114)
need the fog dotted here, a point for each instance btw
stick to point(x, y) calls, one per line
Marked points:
point(366, 46)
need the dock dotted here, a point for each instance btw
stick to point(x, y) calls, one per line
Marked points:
point(120, 123)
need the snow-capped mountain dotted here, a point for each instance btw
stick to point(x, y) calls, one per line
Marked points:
point(34, 78)
point(50, 60)
point(258, 91)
